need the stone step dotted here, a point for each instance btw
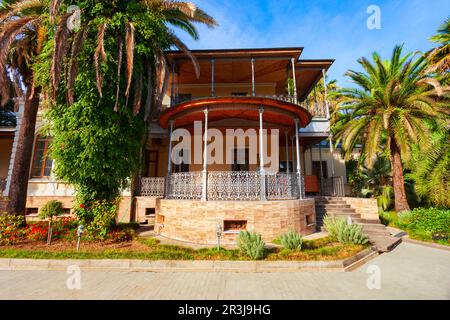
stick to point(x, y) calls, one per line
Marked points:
point(332, 205)
point(335, 210)
point(384, 243)
point(365, 221)
point(330, 202)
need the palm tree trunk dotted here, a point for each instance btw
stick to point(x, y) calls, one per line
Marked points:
point(401, 203)
point(22, 161)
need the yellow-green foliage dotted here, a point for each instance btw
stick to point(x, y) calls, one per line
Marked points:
point(251, 244)
point(52, 208)
point(291, 240)
point(340, 230)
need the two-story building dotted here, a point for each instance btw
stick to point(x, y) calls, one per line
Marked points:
point(262, 93)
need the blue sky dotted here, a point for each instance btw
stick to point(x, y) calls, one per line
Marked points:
point(333, 29)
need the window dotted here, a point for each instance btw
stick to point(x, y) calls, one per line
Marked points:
point(234, 226)
point(42, 164)
point(151, 169)
point(241, 160)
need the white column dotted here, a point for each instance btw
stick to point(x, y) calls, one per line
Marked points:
point(169, 159)
point(261, 155)
point(172, 91)
point(287, 151)
point(19, 115)
point(294, 79)
point(299, 168)
point(253, 77)
point(205, 158)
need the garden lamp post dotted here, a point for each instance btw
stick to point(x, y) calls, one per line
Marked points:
point(218, 234)
point(80, 231)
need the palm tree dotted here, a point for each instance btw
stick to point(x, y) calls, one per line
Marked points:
point(440, 56)
point(131, 37)
point(21, 37)
point(388, 112)
point(431, 167)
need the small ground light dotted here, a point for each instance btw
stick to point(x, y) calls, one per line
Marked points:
point(80, 231)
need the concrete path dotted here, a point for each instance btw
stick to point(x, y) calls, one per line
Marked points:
point(409, 272)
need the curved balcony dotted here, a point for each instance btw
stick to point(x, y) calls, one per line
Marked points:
point(278, 110)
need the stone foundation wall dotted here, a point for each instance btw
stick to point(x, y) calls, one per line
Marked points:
point(195, 221)
point(366, 207)
point(143, 203)
point(68, 203)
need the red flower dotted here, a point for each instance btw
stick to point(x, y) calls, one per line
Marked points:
point(82, 206)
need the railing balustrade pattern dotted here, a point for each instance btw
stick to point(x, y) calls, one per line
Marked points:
point(317, 110)
point(223, 185)
point(152, 187)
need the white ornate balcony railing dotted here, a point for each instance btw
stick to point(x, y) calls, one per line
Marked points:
point(282, 186)
point(317, 110)
point(223, 185)
point(185, 185)
point(234, 185)
point(152, 187)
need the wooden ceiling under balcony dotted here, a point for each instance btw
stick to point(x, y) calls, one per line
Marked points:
point(234, 66)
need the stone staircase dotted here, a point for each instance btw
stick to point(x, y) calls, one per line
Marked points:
point(338, 207)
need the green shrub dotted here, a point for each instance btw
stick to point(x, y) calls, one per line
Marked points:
point(10, 228)
point(291, 240)
point(405, 218)
point(251, 244)
point(340, 230)
point(104, 213)
point(431, 220)
point(51, 209)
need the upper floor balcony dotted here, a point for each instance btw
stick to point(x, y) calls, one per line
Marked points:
point(317, 110)
point(245, 74)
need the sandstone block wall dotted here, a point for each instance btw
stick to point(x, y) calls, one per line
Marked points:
point(196, 221)
point(366, 207)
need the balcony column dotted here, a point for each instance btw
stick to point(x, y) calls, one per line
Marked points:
point(212, 77)
point(253, 77)
point(169, 161)
point(172, 89)
point(293, 153)
point(299, 168)
point(287, 150)
point(205, 158)
point(294, 79)
point(261, 156)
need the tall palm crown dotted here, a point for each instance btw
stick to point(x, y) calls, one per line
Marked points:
point(21, 38)
point(440, 56)
point(389, 110)
point(141, 30)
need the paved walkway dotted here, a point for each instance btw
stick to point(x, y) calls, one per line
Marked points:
point(409, 272)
